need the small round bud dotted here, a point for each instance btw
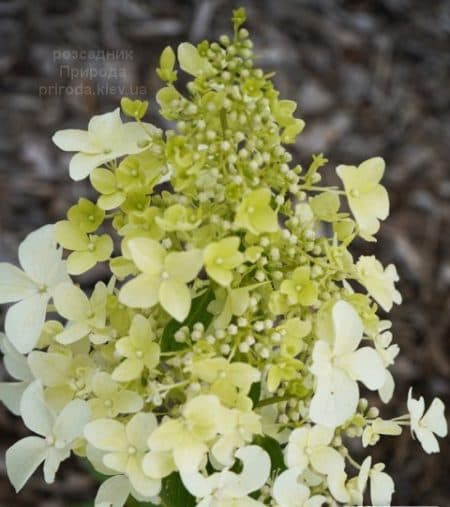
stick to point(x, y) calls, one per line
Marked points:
point(225, 349)
point(244, 348)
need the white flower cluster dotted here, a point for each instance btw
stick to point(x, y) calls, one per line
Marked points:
point(225, 361)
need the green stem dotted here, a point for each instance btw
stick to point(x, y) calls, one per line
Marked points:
point(271, 401)
point(353, 462)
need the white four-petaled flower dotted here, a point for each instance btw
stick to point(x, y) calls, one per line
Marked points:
point(57, 436)
point(338, 365)
point(106, 138)
point(228, 489)
point(289, 491)
point(32, 288)
point(125, 447)
point(425, 426)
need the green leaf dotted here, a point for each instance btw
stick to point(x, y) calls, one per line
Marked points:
point(174, 494)
point(198, 313)
point(255, 392)
point(132, 502)
point(273, 449)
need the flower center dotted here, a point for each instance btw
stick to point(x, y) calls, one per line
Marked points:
point(60, 444)
point(42, 288)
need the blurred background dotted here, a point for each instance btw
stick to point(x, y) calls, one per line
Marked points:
point(371, 77)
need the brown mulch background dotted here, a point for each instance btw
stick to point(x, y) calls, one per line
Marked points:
point(371, 77)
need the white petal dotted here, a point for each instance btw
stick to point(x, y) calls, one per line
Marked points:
point(106, 434)
point(366, 365)
point(427, 440)
point(57, 274)
point(71, 302)
point(39, 256)
point(335, 400)
point(434, 418)
point(373, 169)
point(147, 254)
point(73, 140)
point(197, 484)
point(184, 266)
point(315, 501)
point(416, 408)
point(141, 483)
point(337, 486)
point(255, 472)
point(387, 389)
point(106, 129)
point(23, 458)
point(35, 413)
point(70, 423)
point(73, 333)
point(239, 502)
point(134, 137)
point(95, 456)
point(11, 394)
point(158, 464)
point(320, 435)
point(24, 322)
point(82, 164)
point(321, 359)
point(348, 328)
point(52, 461)
point(191, 61)
point(189, 456)
point(295, 451)
point(175, 298)
point(113, 492)
point(16, 364)
point(49, 367)
point(224, 448)
point(117, 461)
point(14, 284)
point(363, 475)
point(327, 461)
point(288, 491)
point(140, 292)
point(381, 489)
point(139, 428)
point(166, 436)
